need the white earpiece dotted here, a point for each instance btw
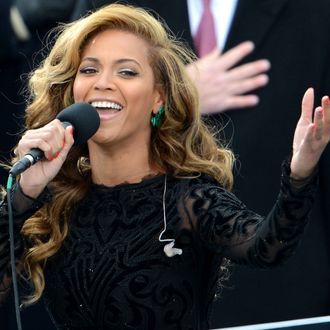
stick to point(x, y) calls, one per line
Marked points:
point(169, 248)
point(171, 251)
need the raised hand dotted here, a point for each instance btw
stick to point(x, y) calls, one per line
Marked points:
point(55, 142)
point(222, 85)
point(311, 136)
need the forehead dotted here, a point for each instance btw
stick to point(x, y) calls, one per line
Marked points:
point(118, 42)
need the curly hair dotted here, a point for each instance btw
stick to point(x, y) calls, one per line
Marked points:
point(183, 145)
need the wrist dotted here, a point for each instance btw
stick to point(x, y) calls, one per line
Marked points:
point(302, 179)
point(30, 191)
point(301, 174)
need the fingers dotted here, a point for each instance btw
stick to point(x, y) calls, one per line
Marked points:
point(243, 101)
point(238, 80)
point(248, 77)
point(318, 131)
point(318, 123)
point(68, 142)
point(326, 110)
point(311, 135)
point(307, 105)
point(250, 69)
point(51, 139)
point(236, 54)
point(322, 120)
point(53, 135)
point(247, 85)
point(65, 145)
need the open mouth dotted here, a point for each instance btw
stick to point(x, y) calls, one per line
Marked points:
point(105, 105)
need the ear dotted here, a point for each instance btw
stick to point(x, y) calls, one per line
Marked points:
point(159, 101)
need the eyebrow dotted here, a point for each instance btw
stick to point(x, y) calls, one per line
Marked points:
point(119, 61)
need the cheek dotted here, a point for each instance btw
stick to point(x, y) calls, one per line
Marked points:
point(144, 99)
point(78, 90)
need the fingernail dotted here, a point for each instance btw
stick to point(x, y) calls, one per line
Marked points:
point(266, 64)
point(250, 44)
point(56, 155)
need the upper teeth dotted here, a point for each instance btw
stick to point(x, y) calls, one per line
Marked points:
point(105, 104)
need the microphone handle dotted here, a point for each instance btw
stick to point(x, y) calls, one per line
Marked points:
point(33, 156)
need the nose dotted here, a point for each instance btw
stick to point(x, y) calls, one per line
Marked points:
point(104, 81)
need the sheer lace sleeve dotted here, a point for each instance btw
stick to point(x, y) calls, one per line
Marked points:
point(227, 226)
point(23, 208)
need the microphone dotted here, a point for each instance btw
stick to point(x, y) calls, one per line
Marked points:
point(85, 121)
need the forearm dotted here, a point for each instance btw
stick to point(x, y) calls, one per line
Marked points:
point(279, 234)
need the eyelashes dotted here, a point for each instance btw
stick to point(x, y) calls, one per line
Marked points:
point(88, 70)
point(122, 72)
point(128, 72)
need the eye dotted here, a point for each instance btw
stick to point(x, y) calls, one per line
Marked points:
point(127, 72)
point(88, 70)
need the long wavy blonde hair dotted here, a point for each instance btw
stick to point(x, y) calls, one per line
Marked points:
point(182, 146)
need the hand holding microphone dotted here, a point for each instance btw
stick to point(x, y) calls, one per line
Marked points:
point(46, 148)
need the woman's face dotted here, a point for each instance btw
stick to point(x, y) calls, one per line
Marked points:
point(115, 76)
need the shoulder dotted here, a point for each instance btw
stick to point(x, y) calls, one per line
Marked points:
point(204, 191)
point(194, 181)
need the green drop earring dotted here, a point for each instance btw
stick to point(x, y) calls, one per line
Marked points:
point(157, 119)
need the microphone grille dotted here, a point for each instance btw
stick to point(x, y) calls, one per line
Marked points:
point(84, 119)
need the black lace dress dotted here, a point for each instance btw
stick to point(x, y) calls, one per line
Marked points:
point(112, 272)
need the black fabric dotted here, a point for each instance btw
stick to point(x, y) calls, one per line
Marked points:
point(112, 273)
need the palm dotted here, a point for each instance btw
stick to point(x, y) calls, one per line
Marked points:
point(311, 135)
point(304, 121)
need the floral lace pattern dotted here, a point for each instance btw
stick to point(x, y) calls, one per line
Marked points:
point(112, 273)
